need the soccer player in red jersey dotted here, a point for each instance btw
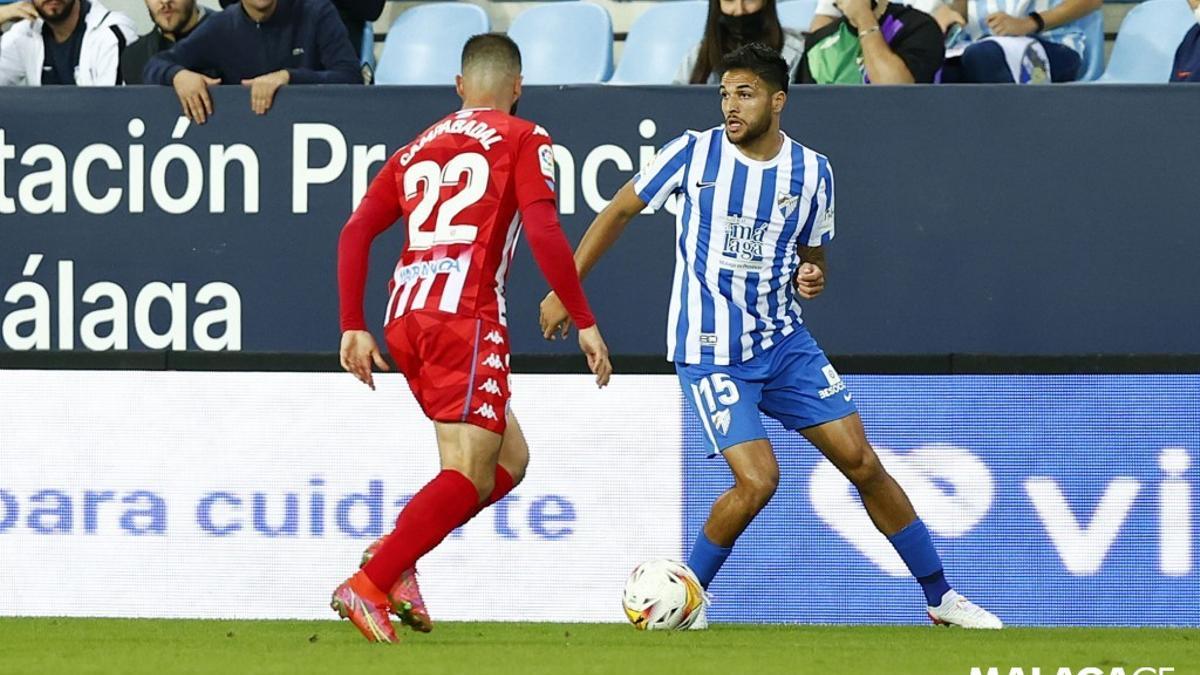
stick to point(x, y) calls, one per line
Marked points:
point(465, 188)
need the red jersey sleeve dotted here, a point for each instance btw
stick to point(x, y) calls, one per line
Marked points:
point(378, 210)
point(533, 172)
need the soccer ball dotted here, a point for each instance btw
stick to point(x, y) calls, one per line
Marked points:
point(663, 595)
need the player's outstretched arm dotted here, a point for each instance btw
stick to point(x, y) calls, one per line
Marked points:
point(600, 236)
point(553, 256)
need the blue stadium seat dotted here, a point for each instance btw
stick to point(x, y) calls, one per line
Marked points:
point(564, 43)
point(1147, 41)
point(424, 44)
point(659, 40)
point(797, 14)
point(1093, 56)
point(366, 48)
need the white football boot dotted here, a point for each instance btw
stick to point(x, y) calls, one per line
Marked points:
point(956, 610)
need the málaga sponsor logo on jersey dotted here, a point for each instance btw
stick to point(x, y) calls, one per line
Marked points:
point(953, 490)
point(1069, 670)
point(744, 243)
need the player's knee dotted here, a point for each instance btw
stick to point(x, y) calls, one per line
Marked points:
point(865, 470)
point(759, 487)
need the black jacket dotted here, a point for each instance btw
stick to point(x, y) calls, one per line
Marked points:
point(306, 37)
point(137, 55)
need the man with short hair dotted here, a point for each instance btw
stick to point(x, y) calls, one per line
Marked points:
point(71, 42)
point(466, 187)
point(173, 21)
point(261, 44)
point(756, 212)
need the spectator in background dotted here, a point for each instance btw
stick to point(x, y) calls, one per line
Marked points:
point(731, 24)
point(173, 21)
point(1187, 57)
point(875, 41)
point(1012, 40)
point(1027, 41)
point(15, 12)
point(74, 42)
point(262, 44)
point(355, 14)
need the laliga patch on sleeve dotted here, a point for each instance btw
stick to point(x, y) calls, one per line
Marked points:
point(546, 157)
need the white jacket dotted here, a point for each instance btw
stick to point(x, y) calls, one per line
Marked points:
point(22, 51)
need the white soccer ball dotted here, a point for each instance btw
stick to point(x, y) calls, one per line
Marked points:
point(662, 595)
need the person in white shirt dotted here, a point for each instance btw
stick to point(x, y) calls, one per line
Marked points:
point(64, 42)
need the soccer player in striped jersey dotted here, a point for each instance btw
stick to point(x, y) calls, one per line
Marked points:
point(465, 188)
point(756, 212)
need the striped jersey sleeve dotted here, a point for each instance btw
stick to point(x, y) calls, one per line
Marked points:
point(664, 176)
point(821, 229)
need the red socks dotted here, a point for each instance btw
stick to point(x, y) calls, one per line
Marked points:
point(443, 504)
point(503, 486)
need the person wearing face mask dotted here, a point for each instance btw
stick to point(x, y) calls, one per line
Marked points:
point(1187, 57)
point(732, 24)
point(874, 42)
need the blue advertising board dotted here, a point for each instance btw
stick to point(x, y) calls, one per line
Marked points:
point(1054, 500)
point(1001, 220)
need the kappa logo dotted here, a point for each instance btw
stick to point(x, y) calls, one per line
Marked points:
point(493, 361)
point(490, 387)
point(787, 203)
point(721, 421)
point(494, 337)
point(486, 411)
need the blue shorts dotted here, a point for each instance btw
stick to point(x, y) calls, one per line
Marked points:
point(792, 382)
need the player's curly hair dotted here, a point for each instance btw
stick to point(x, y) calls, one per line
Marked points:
point(761, 60)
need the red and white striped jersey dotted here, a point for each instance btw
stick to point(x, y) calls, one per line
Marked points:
point(460, 186)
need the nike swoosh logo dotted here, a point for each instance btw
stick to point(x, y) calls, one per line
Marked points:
point(847, 397)
point(701, 186)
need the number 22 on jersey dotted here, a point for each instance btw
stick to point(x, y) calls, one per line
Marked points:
point(428, 178)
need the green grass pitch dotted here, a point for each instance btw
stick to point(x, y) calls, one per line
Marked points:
point(125, 646)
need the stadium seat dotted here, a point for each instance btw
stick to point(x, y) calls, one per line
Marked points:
point(564, 43)
point(659, 40)
point(367, 48)
point(1147, 41)
point(797, 14)
point(424, 44)
point(1093, 56)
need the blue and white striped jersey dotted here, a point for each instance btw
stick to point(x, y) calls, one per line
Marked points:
point(739, 225)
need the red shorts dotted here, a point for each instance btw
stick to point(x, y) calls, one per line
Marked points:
point(456, 366)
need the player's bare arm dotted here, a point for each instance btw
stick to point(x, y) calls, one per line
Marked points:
point(600, 236)
point(810, 277)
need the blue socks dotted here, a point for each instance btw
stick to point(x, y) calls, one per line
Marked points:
point(915, 547)
point(707, 558)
